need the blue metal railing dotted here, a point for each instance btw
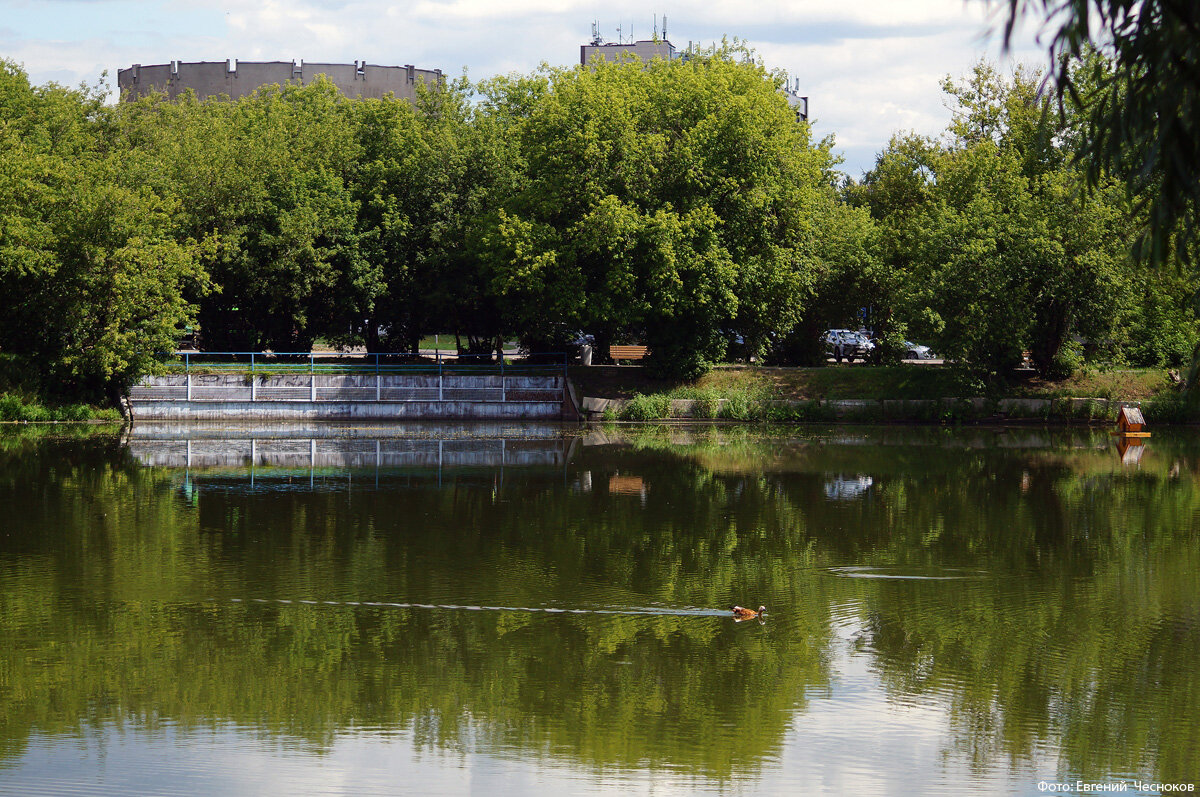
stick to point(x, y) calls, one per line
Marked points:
point(375, 363)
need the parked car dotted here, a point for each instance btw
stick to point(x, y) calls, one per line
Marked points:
point(915, 351)
point(847, 344)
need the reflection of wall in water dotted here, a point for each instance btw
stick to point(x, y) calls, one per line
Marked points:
point(349, 453)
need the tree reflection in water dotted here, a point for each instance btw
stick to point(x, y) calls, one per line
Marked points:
point(130, 594)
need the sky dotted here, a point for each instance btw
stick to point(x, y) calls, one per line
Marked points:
point(870, 68)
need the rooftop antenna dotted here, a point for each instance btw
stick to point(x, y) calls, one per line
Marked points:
point(656, 27)
point(596, 39)
point(664, 27)
point(620, 39)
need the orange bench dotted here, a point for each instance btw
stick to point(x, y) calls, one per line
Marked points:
point(619, 353)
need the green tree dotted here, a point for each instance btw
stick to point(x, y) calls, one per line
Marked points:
point(998, 245)
point(1140, 101)
point(264, 183)
point(94, 279)
point(672, 202)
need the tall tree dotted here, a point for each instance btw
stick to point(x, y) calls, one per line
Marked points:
point(1000, 247)
point(666, 201)
point(264, 183)
point(93, 278)
point(1141, 100)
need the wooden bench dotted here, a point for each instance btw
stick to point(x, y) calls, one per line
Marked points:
point(619, 353)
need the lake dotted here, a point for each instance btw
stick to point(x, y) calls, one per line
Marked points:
point(518, 609)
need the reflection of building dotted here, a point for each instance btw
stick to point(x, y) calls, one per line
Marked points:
point(305, 446)
point(330, 456)
point(1130, 449)
point(240, 78)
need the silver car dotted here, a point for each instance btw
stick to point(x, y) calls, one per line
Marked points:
point(847, 344)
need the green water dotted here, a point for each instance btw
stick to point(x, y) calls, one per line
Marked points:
point(521, 610)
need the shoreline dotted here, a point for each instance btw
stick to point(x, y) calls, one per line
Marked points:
point(1072, 411)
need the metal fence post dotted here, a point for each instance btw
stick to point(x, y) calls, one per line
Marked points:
point(253, 381)
point(503, 392)
point(378, 379)
point(312, 378)
point(441, 394)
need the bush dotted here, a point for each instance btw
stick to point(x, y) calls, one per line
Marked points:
point(800, 412)
point(1067, 361)
point(738, 406)
point(1169, 408)
point(647, 408)
point(13, 407)
point(707, 405)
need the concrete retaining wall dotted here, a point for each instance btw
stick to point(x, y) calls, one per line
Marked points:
point(340, 397)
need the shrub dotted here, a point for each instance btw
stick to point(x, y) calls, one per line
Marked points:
point(653, 407)
point(707, 405)
point(1168, 408)
point(11, 408)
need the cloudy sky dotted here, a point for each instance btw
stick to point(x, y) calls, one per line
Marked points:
point(869, 67)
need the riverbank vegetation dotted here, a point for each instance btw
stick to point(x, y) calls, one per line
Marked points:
point(20, 400)
point(903, 392)
point(873, 384)
point(680, 205)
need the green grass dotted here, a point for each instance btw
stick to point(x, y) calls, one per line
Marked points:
point(903, 382)
point(19, 401)
point(14, 407)
point(1129, 384)
point(796, 394)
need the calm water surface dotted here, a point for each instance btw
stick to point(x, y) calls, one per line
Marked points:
point(518, 610)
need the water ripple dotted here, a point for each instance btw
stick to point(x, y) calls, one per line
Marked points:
point(908, 573)
point(624, 610)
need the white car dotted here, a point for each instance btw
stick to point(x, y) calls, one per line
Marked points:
point(915, 351)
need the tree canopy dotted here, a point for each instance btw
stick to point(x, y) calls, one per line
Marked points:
point(94, 280)
point(677, 204)
point(1141, 100)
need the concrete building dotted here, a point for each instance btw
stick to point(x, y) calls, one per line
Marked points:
point(645, 50)
point(237, 79)
point(799, 104)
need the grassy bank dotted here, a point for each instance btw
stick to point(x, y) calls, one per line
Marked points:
point(17, 407)
point(19, 400)
point(890, 393)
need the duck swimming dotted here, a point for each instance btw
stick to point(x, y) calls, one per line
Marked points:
point(742, 613)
